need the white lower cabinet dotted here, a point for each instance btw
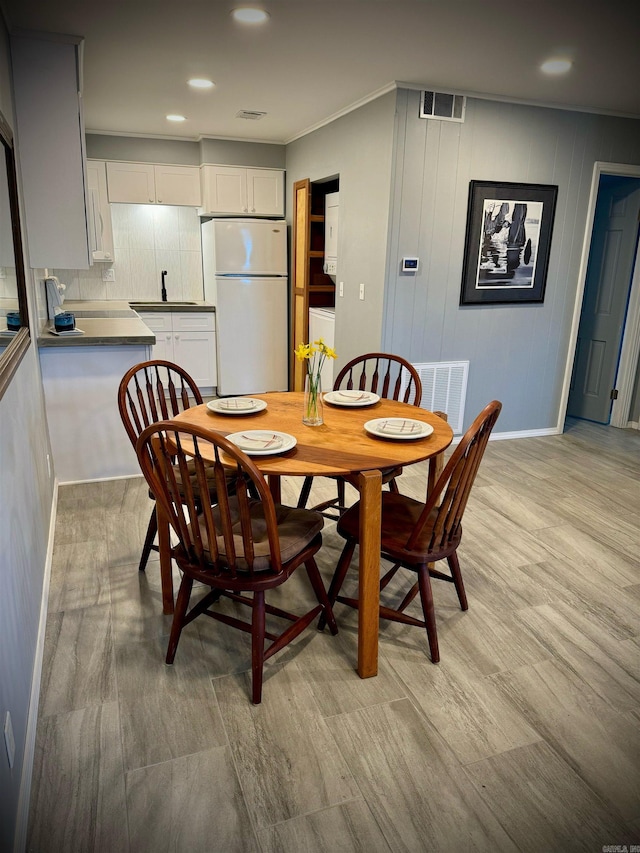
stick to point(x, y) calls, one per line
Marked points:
point(189, 340)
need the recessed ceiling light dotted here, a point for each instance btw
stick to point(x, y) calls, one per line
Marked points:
point(176, 118)
point(556, 66)
point(201, 83)
point(248, 15)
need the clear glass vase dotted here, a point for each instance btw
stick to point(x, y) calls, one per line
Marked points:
point(312, 413)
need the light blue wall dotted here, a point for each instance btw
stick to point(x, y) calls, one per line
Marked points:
point(357, 148)
point(226, 152)
point(27, 495)
point(517, 354)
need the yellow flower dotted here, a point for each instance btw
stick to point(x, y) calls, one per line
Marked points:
point(303, 351)
point(315, 353)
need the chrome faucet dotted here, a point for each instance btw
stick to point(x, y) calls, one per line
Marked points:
point(164, 289)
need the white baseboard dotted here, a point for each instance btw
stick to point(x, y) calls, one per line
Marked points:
point(525, 433)
point(101, 479)
point(22, 820)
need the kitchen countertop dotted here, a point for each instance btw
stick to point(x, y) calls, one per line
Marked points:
point(100, 331)
point(112, 322)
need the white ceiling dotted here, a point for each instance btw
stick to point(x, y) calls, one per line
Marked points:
point(314, 59)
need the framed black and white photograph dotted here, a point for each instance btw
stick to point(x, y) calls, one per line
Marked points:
point(507, 243)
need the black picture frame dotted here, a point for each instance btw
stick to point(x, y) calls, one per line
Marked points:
point(507, 242)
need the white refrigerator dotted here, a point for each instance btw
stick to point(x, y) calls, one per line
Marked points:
point(244, 263)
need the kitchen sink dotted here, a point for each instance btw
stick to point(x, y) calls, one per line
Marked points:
point(169, 303)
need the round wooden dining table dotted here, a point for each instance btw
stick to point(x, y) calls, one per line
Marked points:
point(339, 446)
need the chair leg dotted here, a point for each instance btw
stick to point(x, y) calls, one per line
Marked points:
point(341, 496)
point(338, 577)
point(321, 594)
point(426, 597)
point(152, 529)
point(393, 486)
point(184, 594)
point(456, 574)
point(304, 492)
point(257, 646)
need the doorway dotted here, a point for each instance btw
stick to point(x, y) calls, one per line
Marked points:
point(605, 344)
point(312, 284)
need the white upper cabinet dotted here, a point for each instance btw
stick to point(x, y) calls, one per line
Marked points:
point(265, 192)
point(178, 185)
point(235, 190)
point(50, 132)
point(100, 227)
point(147, 183)
point(131, 182)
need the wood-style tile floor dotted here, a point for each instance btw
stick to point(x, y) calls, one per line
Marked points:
point(526, 736)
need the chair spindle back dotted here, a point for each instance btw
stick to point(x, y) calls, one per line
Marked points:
point(390, 376)
point(455, 482)
point(176, 460)
point(153, 391)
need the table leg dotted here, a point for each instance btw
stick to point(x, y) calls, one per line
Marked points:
point(164, 549)
point(436, 463)
point(275, 487)
point(370, 484)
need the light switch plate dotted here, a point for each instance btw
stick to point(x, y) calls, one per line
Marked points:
point(361, 290)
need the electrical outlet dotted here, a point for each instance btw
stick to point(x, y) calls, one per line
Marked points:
point(109, 274)
point(361, 290)
point(9, 740)
point(341, 289)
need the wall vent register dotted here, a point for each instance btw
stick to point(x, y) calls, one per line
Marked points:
point(442, 105)
point(444, 389)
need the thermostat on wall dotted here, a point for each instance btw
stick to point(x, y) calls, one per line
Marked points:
point(410, 264)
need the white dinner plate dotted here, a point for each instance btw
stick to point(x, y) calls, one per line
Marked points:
point(236, 405)
point(405, 429)
point(351, 398)
point(262, 442)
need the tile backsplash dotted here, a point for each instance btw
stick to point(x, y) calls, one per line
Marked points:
point(147, 238)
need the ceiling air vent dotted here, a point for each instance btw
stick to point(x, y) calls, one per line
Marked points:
point(253, 115)
point(442, 105)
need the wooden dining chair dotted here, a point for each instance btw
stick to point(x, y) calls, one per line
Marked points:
point(389, 376)
point(150, 392)
point(240, 547)
point(416, 535)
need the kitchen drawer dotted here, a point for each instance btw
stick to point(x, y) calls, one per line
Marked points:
point(157, 322)
point(191, 322)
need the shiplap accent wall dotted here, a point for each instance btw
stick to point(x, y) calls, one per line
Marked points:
point(517, 354)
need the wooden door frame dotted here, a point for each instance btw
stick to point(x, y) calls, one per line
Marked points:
point(299, 278)
point(630, 351)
